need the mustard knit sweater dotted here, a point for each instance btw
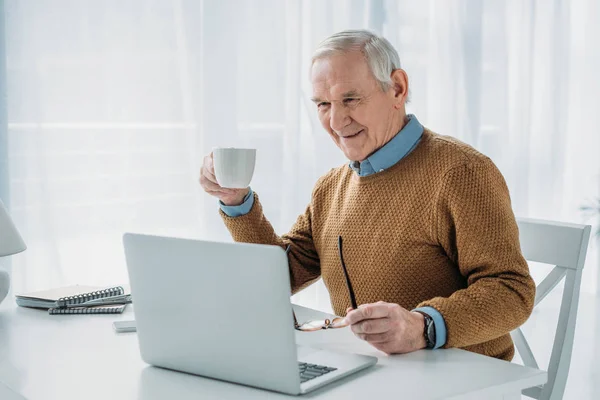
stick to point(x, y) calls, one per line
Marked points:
point(436, 229)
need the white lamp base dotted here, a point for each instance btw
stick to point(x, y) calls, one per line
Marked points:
point(4, 284)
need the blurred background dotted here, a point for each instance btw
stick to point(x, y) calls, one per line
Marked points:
point(107, 109)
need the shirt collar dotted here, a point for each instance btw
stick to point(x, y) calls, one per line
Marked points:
point(393, 151)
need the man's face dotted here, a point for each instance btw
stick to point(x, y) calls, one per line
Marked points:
point(358, 115)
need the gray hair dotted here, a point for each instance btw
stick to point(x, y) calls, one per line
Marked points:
point(379, 53)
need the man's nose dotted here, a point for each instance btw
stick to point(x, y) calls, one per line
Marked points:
point(339, 118)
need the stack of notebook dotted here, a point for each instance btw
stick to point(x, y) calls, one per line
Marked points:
point(78, 300)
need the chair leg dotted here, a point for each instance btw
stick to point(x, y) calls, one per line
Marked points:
point(560, 361)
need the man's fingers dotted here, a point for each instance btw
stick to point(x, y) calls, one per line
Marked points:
point(205, 176)
point(211, 169)
point(368, 311)
point(216, 193)
point(211, 177)
point(214, 187)
point(375, 338)
point(372, 326)
point(208, 171)
point(207, 184)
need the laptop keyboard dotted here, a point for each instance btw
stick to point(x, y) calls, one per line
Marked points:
point(311, 371)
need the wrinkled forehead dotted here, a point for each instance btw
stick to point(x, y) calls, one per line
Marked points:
point(341, 73)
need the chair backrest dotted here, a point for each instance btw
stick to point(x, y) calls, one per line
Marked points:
point(564, 246)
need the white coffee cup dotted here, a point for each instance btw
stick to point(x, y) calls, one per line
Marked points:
point(234, 167)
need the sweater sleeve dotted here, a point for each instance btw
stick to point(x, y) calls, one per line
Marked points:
point(477, 229)
point(254, 227)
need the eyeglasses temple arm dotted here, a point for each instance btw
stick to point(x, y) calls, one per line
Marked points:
point(352, 298)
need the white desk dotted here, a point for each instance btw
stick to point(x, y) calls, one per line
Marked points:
point(80, 357)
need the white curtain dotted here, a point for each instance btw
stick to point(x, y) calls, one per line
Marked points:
point(112, 105)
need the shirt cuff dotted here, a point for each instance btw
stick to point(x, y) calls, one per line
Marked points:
point(242, 209)
point(438, 323)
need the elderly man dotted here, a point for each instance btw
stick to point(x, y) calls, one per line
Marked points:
point(431, 244)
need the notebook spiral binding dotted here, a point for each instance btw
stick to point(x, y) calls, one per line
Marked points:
point(63, 302)
point(87, 310)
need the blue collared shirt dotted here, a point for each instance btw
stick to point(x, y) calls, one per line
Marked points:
point(393, 151)
point(390, 154)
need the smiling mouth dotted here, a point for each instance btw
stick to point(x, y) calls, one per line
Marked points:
point(351, 136)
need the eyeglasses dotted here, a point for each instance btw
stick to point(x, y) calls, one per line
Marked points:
point(337, 322)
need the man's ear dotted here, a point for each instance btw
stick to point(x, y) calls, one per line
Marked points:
point(400, 86)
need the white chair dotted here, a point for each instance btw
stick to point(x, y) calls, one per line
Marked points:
point(564, 246)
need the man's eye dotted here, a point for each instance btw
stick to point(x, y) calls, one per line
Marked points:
point(350, 101)
point(322, 104)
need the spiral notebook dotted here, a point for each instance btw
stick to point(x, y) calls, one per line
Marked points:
point(66, 300)
point(89, 310)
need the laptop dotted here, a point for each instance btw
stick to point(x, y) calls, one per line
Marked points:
point(223, 311)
